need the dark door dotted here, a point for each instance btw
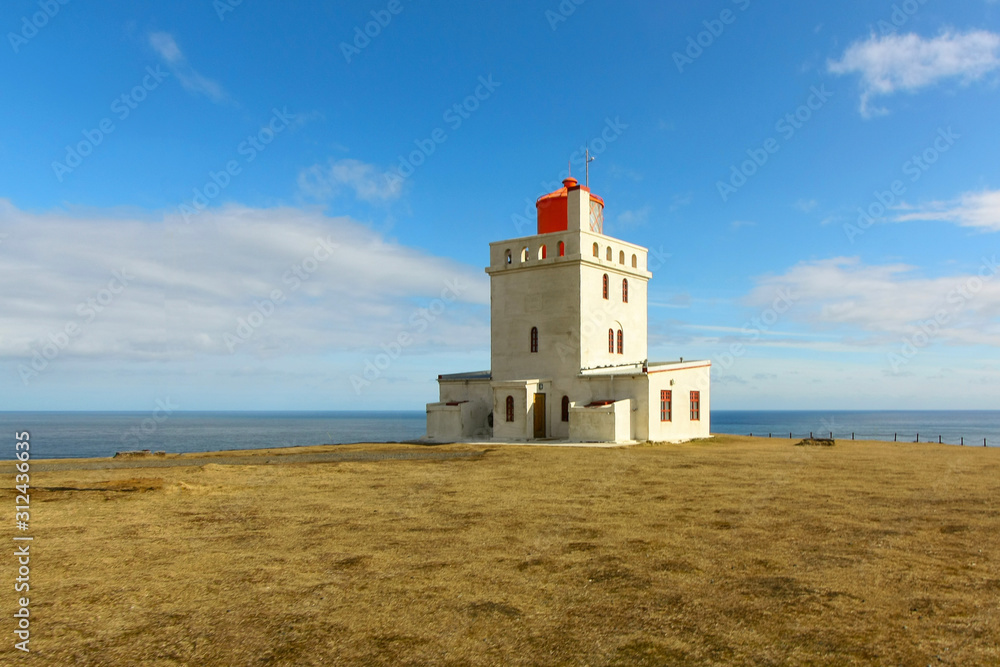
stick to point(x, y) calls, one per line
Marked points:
point(539, 415)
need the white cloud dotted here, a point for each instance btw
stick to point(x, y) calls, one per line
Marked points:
point(165, 45)
point(737, 224)
point(973, 209)
point(680, 201)
point(188, 286)
point(874, 305)
point(365, 180)
point(806, 205)
point(634, 217)
point(893, 63)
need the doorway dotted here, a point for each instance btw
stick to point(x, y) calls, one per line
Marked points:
point(539, 415)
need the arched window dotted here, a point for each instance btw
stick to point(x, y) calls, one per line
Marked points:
point(611, 341)
point(509, 257)
point(609, 253)
point(534, 339)
point(565, 408)
point(621, 342)
point(524, 254)
point(635, 262)
point(562, 249)
point(542, 253)
point(624, 290)
point(605, 286)
point(621, 257)
point(597, 250)
point(510, 408)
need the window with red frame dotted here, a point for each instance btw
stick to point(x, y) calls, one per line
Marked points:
point(611, 341)
point(510, 408)
point(621, 342)
point(625, 290)
point(605, 286)
point(666, 405)
point(695, 406)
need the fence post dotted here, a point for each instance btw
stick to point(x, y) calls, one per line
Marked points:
point(939, 439)
point(894, 437)
point(963, 441)
point(852, 435)
point(918, 437)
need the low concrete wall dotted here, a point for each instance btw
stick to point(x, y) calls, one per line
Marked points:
point(444, 422)
point(457, 421)
point(605, 423)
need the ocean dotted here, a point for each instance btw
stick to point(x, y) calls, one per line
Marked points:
point(94, 434)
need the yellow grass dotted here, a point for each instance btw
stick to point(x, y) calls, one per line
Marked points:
point(728, 551)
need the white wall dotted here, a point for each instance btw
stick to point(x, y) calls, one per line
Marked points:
point(685, 380)
point(564, 298)
point(522, 428)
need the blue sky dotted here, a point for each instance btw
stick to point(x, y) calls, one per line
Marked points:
point(241, 206)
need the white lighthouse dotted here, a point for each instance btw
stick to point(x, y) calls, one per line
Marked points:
point(568, 332)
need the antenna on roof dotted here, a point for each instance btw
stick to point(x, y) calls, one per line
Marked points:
point(569, 165)
point(589, 160)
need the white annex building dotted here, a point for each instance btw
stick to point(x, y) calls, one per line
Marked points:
point(568, 332)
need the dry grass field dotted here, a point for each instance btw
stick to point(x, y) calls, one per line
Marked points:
point(728, 551)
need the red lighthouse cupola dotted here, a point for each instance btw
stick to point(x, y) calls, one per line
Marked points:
point(571, 208)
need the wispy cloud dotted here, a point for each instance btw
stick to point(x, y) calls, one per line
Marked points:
point(621, 172)
point(877, 304)
point(738, 224)
point(973, 209)
point(165, 45)
point(634, 218)
point(327, 181)
point(680, 201)
point(190, 285)
point(891, 63)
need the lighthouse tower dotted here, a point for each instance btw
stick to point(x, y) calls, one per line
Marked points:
point(568, 342)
